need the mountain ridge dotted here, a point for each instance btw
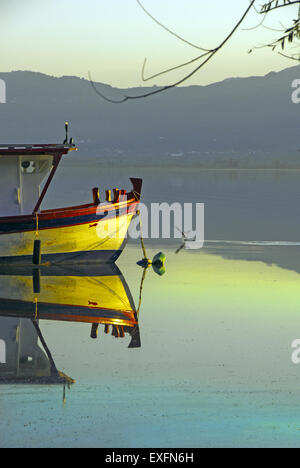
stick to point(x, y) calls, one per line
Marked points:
point(239, 118)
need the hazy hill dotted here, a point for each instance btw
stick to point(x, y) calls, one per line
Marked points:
point(241, 119)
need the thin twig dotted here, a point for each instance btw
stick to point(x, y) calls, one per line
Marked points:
point(169, 30)
point(170, 69)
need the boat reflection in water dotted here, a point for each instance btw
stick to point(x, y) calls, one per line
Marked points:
point(97, 295)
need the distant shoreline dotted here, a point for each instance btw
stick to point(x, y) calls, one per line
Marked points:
point(170, 167)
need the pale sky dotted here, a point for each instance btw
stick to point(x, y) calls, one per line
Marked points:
point(111, 38)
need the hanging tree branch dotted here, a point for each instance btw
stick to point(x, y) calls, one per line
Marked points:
point(168, 70)
point(207, 56)
point(291, 34)
point(276, 4)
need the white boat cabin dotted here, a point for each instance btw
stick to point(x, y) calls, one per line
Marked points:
point(23, 168)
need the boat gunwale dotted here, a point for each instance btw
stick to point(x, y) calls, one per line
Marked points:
point(36, 149)
point(69, 212)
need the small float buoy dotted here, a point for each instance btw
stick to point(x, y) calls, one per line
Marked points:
point(145, 263)
point(158, 263)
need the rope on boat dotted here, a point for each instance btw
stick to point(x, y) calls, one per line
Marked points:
point(141, 290)
point(36, 233)
point(36, 308)
point(147, 264)
point(142, 238)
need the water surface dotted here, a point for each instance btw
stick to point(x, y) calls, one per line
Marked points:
point(214, 368)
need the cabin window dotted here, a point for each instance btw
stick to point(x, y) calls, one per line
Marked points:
point(28, 167)
point(2, 352)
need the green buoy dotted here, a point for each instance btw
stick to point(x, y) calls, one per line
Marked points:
point(158, 263)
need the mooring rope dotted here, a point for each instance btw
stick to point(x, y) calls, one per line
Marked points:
point(36, 233)
point(141, 290)
point(142, 238)
point(36, 308)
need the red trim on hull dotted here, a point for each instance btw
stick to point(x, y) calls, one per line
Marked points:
point(131, 209)
point(69, 212)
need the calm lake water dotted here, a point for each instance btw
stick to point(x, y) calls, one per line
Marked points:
point(214, 368)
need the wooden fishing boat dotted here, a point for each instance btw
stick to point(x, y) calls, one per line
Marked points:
point(98, 295)
point(94, 294)
point(87, 233)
